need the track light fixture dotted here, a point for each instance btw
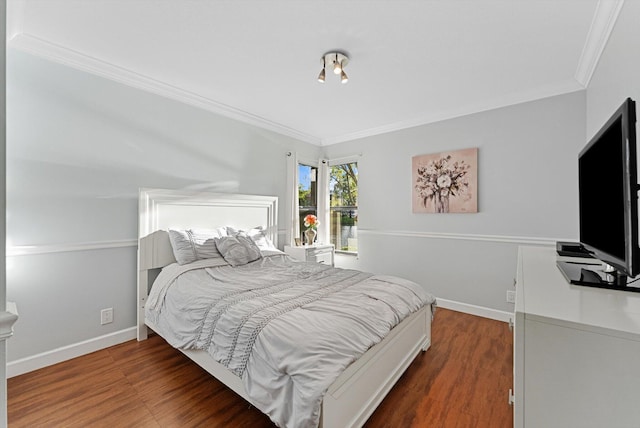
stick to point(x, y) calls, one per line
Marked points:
point(337, 61)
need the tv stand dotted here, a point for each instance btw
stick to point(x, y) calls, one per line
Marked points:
point(591, 275)
point(575, 349)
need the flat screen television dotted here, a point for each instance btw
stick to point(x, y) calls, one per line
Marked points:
point(608, 203)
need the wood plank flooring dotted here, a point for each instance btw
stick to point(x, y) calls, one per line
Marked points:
point(461, 381)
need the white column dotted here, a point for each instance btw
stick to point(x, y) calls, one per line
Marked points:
point(323, 202)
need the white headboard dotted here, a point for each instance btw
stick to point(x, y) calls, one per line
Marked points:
point(161, 209)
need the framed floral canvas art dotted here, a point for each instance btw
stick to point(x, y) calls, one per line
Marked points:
point(446, 182)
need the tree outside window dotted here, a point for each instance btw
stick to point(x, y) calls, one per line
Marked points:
point(343, 194)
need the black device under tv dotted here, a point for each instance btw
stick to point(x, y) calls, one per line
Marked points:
point(572, 249)
point(608, 207)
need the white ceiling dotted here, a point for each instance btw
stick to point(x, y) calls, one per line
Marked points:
point(412, 62)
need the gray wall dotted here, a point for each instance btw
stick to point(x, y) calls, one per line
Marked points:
point(79, 148)
point(617, 75)
point(527, 163)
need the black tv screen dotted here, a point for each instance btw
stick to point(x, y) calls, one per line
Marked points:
point(608, 192)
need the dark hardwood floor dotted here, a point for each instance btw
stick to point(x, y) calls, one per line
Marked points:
point(461, 381)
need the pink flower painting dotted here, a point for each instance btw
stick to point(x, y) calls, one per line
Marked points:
point(446, 182)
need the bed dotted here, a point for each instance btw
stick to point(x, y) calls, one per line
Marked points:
point(356, 391)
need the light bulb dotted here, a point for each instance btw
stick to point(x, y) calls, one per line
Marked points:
point(343, 77)
point(337, 66)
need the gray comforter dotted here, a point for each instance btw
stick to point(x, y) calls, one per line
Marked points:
point(287, 328)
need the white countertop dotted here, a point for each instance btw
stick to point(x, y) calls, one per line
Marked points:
point(553, 299)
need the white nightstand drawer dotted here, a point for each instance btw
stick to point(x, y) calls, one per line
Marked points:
point(313, 253)
point(326, 258)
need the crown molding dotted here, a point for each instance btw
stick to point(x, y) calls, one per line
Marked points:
point(604, 19)
point(77, 60)
point(603, 22)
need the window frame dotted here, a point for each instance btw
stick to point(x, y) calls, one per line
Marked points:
point(322, 196)
point(334, 162)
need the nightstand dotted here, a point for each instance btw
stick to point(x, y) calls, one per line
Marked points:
point(312, 253)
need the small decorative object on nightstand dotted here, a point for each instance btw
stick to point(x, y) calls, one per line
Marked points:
point(318, 253)
point(310, 236)
point(311, 223)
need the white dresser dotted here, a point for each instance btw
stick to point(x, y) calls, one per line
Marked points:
point(576, 350)
point(318, 253)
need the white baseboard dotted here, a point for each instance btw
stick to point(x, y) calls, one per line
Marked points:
point(480, 311)
point(35, 362)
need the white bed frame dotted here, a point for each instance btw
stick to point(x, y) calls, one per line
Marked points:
point(355, 394)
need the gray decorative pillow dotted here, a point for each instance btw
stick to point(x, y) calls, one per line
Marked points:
point(191, 245)
point(238, 250)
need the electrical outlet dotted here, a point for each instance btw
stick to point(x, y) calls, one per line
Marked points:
point(511, 296)
point(106, 316)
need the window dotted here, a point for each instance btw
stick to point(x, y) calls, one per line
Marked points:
point(343, 206)
point(328, 190)
point(307, 192)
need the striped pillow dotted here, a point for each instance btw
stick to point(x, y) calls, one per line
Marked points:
point(191, 245)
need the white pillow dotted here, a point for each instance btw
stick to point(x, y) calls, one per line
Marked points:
point(257, 235)
point(238, 250)
point(191, 245)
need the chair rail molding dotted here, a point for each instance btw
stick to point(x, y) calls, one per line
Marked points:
point(30, 250)
point(518, 240)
